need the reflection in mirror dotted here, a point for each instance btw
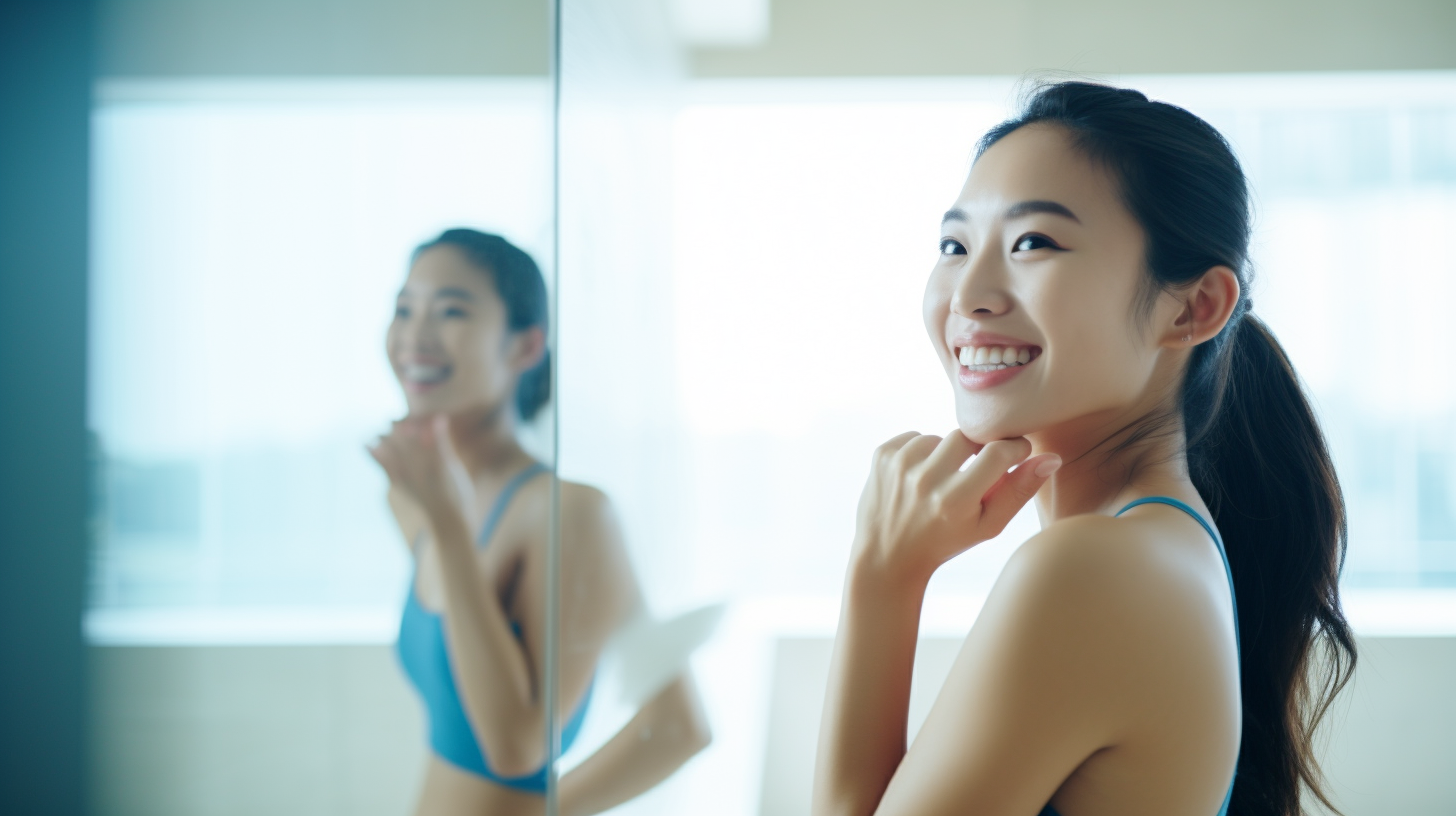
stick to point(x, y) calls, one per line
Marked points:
point(468, 347)
point(262, 174)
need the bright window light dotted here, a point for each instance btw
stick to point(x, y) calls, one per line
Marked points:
point(248, 241)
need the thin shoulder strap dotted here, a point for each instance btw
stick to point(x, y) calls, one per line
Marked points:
point(1222, 553)
point(504, 499)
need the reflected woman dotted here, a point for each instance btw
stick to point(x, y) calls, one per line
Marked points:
point(1090, 307)
point(468, 346)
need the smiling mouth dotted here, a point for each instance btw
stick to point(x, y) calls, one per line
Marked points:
point(423, 375)
point(995, 358)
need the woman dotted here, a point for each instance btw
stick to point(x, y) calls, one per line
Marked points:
point(468, 346)
point(1090, 306)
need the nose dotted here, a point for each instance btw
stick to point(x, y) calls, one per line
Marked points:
point(414, 333)
point(983, 288)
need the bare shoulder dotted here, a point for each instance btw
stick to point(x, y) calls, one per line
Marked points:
point(584, 503)
point(1132, 560)
point(1100, 633)
point(1128, 589)
point(589, 526)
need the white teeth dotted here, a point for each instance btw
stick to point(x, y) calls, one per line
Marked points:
point(425, 374)
point(991, 358)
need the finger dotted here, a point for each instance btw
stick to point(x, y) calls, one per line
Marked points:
point(949, 455)
point(382, 454)
point(917, 450)
point(411, 427)
point(988, 467)
point(893, 446)
point(1006, 497)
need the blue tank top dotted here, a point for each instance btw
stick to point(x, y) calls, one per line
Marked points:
point(426, 661)
point(1172, 502)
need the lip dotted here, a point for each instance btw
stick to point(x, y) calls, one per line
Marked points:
point(985, 338)
point(413, 386)
point(981, 380)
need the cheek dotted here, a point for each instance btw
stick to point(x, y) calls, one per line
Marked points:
point(935, 308)
point(476, 351)
point(1091, 344)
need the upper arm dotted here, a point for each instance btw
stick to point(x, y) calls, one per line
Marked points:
point(598, 591)
point(1051, 672)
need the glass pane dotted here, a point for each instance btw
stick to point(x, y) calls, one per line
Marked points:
point(273, 284)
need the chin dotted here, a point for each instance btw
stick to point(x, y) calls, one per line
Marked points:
point(982, 429)
point(427, 404)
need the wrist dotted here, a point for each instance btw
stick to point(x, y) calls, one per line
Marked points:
point(875, 577)
point(442, 516)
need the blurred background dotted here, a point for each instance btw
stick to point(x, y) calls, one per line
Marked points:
point(738, 201)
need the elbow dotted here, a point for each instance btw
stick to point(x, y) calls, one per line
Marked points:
point(697, 737)
point(685, 718)
point(513, 752)
point(511, 759)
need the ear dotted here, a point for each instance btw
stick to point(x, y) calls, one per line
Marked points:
point(1207, 306)
point(528, 346)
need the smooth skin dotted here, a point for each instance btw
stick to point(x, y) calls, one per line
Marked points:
point(1102, 673)
point(447, 462)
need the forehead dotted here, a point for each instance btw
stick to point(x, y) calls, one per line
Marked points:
point(1039, 162)
point(445, 267)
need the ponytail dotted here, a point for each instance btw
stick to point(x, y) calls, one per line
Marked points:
point(1254, 449)
point(1260, 462)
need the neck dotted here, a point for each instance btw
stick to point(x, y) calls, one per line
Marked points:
point(1111, 459)
point(486, 441)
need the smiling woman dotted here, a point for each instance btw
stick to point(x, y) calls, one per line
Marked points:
point(468, 346)
point(1102, 240)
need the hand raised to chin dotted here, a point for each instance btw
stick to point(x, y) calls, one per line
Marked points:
point(419, 457)
point(923, 505)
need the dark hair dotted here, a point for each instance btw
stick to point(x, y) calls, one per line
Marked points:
point(519, 283)
point(1255, 450)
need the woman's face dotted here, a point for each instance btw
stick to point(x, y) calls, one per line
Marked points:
point(448, 343)
point(1031, 305)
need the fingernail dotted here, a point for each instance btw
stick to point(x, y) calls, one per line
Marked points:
point(1047, 467)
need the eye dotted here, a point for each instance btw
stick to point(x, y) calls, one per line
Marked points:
point(950, 246)
point(1031, 241)
point(453, 311)
point(401, 312)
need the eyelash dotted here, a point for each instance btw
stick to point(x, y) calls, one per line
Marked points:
point(1034, 236)
point(950, 246)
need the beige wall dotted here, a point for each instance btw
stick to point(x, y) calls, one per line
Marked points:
point(322, 730)
point(162, 38)
point(955, 37)
point(806, 38)
point(253, 731)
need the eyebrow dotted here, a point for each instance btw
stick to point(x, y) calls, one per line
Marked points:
point(1018, 210)
point(454, 292)
point(443, 292)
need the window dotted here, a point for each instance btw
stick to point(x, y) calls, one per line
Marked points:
point(248, 241)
